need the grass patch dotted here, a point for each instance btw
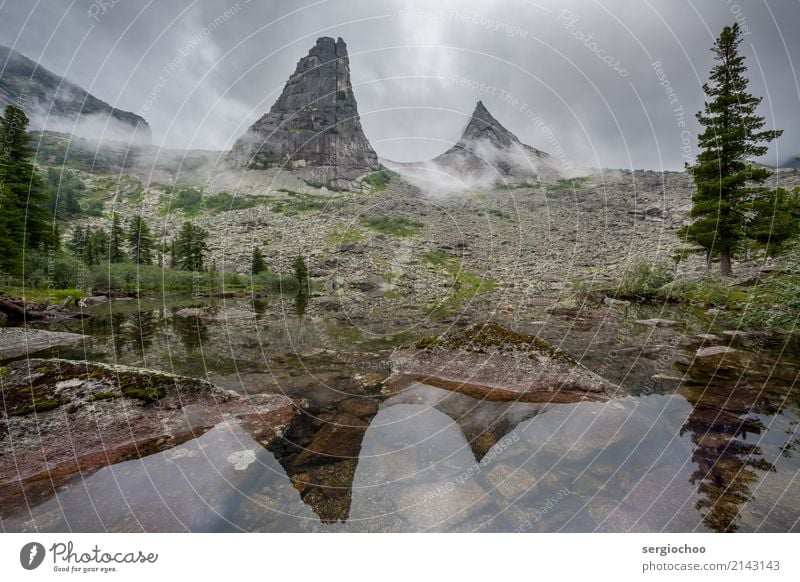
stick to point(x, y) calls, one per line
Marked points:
point(496, 212)
point(298, 202)
point(42, 296)
point(148, 394)
point(342, 236)
point(565, 184)
point(191, 201)
point(712, 291)
point(103, 395)
point(37, 405)
point(396, 227)
point(773, 302)
point(464, 284)
point(380, 179)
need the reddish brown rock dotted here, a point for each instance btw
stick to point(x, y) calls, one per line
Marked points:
point(491, 362)
point(64, 417)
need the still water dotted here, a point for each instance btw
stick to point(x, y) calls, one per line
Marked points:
point(696, 444)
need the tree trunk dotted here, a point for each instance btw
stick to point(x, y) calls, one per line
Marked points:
point(725, 263)
point(12, 310)
point(708, 260)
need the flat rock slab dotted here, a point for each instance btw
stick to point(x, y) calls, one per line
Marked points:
point(215, 316)
point(62, 417)
point(19, 341)
point(655, 322)
point(714, 351)
point(491, 362)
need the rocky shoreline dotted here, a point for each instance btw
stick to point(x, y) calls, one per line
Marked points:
point(66, 417)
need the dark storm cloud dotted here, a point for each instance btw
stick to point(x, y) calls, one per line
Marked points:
point(612, 84)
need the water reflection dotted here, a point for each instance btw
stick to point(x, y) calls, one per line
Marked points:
point(191, 331)
point(715, 454)
point(733, 395)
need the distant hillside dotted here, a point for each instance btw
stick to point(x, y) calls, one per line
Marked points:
point(792, 162)
point(54, 103)
point(60, 149)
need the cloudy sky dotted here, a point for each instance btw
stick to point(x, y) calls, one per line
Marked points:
point(612, 83)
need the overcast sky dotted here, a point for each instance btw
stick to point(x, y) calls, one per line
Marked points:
point(576, 79)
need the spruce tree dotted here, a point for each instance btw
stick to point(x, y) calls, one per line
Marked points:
point(99, 244)
point(301, 274)
point(140, 242)
point(257, 263)
point(10, 249)
point(24, 199)
point(191, 247)
point(115, 239)
point(726, 182)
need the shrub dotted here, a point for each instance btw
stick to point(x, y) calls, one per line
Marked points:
point(380, 179)
point(645, 279)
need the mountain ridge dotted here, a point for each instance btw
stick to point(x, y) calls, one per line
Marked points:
point(55, 103)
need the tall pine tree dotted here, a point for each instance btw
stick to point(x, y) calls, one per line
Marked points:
point(191, 247)
point(140, 241)
point(257, 262)
point(727, 182)
point(24, 199)
point(115, 239)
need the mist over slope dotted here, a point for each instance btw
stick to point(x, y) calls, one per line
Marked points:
point(56, 104)
point(486, 155)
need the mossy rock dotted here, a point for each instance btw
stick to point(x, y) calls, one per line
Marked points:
point(479, 337)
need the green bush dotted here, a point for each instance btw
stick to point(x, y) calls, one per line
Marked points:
point(710, 291)
point(380, 179)
point(58, 271)
point(644, 279)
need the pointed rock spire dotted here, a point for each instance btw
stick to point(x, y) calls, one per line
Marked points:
point(489, 153)
point(314, 122)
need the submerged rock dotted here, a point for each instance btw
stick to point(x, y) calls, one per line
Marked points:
point(215, 315)
point(492, 362)
point(655, 322)
point(714, 351)
point(19, 341)
point(63, 417)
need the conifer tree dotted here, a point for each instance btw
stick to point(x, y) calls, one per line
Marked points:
point(24, 201)
point(140, 242)
point(727, 183)
point(115, 240)
point(191, 247)
point(257, 263)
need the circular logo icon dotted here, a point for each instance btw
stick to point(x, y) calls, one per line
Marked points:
point(31, 555)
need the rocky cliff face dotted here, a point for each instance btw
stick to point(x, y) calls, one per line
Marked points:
point(488, 152)
point(315, 121)
point(57, 104)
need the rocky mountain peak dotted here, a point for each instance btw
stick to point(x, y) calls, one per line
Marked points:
point(488, 153)
point(315, 120)
point(482, 126)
